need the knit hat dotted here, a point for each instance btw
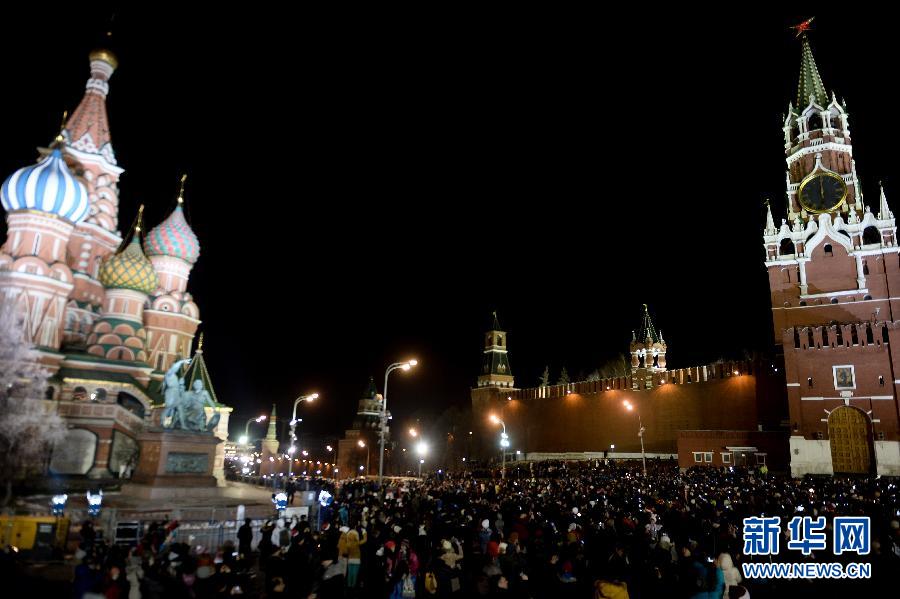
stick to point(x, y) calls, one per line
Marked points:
point(485, 523)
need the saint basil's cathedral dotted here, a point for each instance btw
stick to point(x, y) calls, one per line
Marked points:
point(108, 314)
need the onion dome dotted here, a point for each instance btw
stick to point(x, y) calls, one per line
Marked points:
point(129, 269)
point(47, 186)
point(173, 237)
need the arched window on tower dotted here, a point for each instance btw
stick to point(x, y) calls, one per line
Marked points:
point(854, 335)
point(829, 251)
point(796, 338)
point(814, 122)
point(871, 235)
point(825, 337)
point(839, 334)
point(884, 334)
point(870, 336)
point(786, 247)
point(865, 267)
point(810, 339)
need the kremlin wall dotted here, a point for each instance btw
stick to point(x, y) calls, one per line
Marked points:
point(586, 419)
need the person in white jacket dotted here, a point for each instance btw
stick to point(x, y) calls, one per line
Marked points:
point(732, 574)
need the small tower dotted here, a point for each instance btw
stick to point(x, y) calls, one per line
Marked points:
point(648, 353)
point(87, 147)
point(173, 317)
point(270, 446)
point(495, 370)
point(351, 455)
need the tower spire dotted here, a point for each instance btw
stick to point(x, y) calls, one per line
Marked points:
point(884, 211)
point(181, 189)
point(272, 433)
point(495, 370)
point(810, 87)
point(770, 222)
point(647, 329)
point(87, 130)
point(648, 351)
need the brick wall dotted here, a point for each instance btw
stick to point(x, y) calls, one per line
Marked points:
point(589, 417)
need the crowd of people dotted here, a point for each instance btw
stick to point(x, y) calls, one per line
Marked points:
point(551, 529)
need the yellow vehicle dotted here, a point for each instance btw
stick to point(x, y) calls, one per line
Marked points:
point(39, 535)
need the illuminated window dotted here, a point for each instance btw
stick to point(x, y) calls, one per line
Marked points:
point(726, 458)
point(698, 457)
point(707, 457)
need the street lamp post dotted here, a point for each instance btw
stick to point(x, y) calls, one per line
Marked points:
point(244, 439)
point(294, 421)
point(290, 460)
point(387, 373)
point(630, 407)
point(362, 443)
point(421, 449)
point(504, 443)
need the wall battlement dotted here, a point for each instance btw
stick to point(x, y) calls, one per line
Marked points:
point(860, 334)
point(641, 380)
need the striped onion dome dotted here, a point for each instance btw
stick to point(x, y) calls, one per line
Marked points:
point(173, 237)
point(47, 186)
point(129, 269)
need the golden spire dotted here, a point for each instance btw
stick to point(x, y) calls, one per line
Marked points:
point(62, 127)
point(200, 344)
point(181, 189)
point(139, 220)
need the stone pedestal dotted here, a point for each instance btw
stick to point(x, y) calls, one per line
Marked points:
point(174, 463)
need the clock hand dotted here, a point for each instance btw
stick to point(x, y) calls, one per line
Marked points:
point(821, 190)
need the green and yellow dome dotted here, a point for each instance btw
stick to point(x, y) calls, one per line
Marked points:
point(129, 269)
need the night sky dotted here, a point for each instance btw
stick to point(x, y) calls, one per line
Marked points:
point(369, 187)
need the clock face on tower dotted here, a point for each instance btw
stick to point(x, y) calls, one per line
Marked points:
point(822, 192)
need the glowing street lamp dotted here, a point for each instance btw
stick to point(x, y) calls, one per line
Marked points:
point(413, 432)
point(421, 449)
point(504, 443)
point(395, 366)
point(245, 438)
point(630, 407)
